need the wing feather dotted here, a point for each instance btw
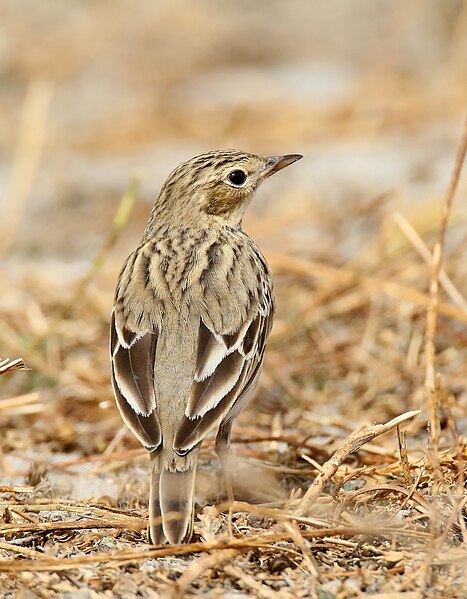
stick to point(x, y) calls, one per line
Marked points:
point(132, 357)
point(145, 428)
point(193, 430)
point(207, 393)
point(230, 383)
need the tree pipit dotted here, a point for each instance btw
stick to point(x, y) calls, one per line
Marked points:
point(193, 309)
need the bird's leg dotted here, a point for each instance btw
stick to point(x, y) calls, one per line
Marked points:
point(223, 452)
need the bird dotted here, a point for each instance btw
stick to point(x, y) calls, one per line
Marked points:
point(192, 311)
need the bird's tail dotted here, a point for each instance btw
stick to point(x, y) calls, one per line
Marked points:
point(171, 500)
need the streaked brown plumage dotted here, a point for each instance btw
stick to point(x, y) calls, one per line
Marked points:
point(193, 309)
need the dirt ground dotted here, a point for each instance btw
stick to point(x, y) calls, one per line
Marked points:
point(98, 102)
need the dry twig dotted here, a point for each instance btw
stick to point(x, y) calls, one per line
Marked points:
point(8, 365)
point(119, 223)
point(402, 441)
point(431, 386)
point(199, 567)
point(350, 445)
point(26, 162)
point(242, 545)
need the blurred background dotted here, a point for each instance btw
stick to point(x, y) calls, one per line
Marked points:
point(372, 93)
point(93, 94)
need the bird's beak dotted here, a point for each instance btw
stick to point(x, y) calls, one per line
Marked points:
point(277, 163)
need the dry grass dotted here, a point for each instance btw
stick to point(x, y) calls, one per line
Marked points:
point(371, 328)
point(346, 334)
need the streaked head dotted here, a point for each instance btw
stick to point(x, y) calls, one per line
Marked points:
point(219, 184)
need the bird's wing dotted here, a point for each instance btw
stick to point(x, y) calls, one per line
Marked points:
point(227, 368)
point(132, 358)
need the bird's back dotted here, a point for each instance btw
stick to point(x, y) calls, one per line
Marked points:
point(213, 277)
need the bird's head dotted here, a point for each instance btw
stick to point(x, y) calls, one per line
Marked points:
point(217, 185)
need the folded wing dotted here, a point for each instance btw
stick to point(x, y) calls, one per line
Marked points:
point(132, 361)
point(227, 369)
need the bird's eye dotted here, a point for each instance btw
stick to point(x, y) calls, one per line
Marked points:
point(237, 178)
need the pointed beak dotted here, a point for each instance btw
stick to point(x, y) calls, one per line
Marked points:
point(277, 163)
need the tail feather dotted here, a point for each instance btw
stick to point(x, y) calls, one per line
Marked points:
point(171, 505)
point(155, 528)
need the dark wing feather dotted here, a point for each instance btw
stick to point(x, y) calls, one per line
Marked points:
point(132, 358)
point(145, 428)
point(205, 394)
point(192, 431)
point(231, 365)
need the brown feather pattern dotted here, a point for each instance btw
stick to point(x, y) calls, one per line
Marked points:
point(193, 309)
